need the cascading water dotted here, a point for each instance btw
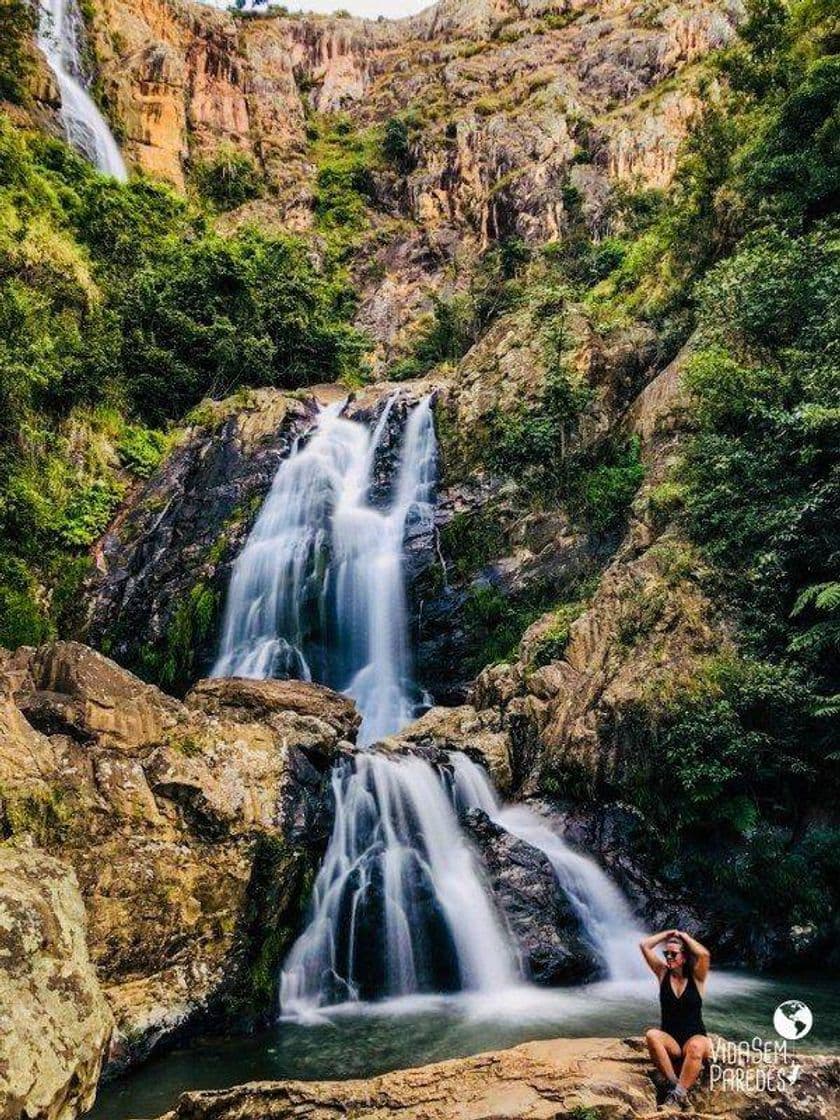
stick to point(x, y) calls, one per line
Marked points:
point(318, 590)
point(59, 33)
point(398, 906)
point(603, 912)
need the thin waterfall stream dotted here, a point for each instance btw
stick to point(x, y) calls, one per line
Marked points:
point(60, 32)
point(400, 906)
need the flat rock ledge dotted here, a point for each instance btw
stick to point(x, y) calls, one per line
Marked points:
point(563, 1079)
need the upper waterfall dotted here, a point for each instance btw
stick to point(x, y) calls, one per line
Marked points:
point(318, 590)
point(59, 34)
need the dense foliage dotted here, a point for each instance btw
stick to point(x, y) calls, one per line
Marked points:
point(17, 19)
point(734, 765)
point(120, 308)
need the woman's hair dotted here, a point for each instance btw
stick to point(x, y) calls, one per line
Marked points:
point(688, 967)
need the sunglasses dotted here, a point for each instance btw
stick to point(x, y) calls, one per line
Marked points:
point(670, 955)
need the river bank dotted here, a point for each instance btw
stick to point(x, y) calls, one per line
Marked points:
point(592, 1078)
point(370, 1040)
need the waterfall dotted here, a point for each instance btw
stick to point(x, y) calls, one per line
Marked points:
point(318, 590)
point(398, 906)
point(602, 909)
point(59, 35)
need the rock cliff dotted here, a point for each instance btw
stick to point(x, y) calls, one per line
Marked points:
point(193, 829)
point(518, 118)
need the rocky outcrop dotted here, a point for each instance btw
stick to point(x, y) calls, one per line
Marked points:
point(538, 913)
point(194, 828)
point(647, 617)
point(156, 599)
point(522, 116)
point(163, 567)
point(438, 731)
point(55, 1021)
point(565, 1078)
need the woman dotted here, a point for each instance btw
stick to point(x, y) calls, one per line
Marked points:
point(681, 972)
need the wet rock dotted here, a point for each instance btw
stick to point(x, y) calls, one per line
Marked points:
point(543, 922)
point(600, 1077)
point(441, 730)
point(55, 1021)
point(163, 567)
point(248, 701)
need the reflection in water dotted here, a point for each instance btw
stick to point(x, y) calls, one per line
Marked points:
point(361, 1040)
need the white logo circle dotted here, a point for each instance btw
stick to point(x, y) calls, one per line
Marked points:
point(793, 1019)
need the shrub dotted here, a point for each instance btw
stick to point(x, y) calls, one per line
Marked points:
point(228, 178)
point(605, 492)
point(141, 450)
point(17, 18)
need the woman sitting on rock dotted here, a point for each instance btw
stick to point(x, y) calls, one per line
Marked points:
point(681, 972)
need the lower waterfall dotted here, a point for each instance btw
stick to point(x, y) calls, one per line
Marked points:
point(398, 906)
point(602, 909)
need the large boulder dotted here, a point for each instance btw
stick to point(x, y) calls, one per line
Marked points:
point(194, 830)
point(54, 1020)
point(245, 701)
point(560, 1079)
point(481, 735)
point(543, 922)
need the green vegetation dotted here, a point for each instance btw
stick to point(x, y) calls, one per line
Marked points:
point(345, 158)
point(496, 620)
point(171, 663)
point(120, 308)
point(17, 18)
point(471, 540)
point(729, 770)
point(44, 814)
point(551, 644)
point(228, 178)
point(732, 763)
point(458, 321)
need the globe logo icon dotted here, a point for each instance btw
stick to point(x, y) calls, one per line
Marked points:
point(793, 1019)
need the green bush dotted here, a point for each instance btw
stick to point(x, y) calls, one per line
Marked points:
point(228, 178)
point(17, 19)
point(725, 767)
point(141, 450)
point(604, 493)
point(396, 145)
point(120, 308)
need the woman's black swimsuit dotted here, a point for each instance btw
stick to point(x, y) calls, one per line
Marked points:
point(682, 1016)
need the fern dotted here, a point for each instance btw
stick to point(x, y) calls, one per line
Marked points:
point(822, 596)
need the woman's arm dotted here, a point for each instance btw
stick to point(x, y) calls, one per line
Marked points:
point(702, 956)
point(655, 963)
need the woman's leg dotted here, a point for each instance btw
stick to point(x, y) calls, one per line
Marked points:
point(695, 1050)
point(663, 1049)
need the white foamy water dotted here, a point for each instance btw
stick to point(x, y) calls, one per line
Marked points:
point(318, 591)
point(399, 907)
point(59, 32)
point(603, 911)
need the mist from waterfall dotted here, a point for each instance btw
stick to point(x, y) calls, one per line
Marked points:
point(318, 591)
point(604, 914)
point(59, 37)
